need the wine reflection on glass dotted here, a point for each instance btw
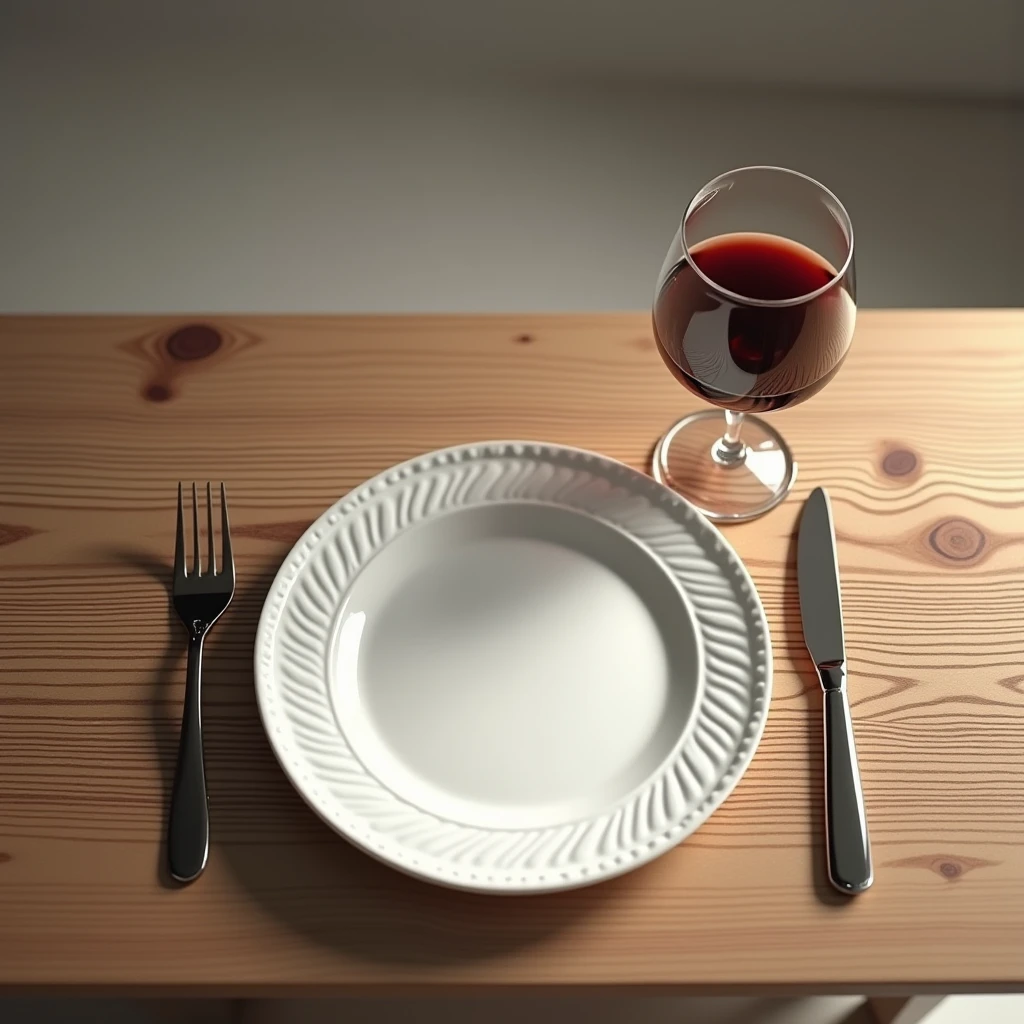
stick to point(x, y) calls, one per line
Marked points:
point(754, 311)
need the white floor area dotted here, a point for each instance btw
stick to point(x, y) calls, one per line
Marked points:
point(1003, 1009)
point(819, 1010)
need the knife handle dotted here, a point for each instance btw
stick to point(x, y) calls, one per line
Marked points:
point(846, 828)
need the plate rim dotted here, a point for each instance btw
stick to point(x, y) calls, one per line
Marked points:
point(726, 779)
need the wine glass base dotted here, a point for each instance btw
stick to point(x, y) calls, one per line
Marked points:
point(688, 459)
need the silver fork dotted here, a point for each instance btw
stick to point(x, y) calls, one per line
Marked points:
point(199, 599)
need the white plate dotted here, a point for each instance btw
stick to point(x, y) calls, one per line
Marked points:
point(513, 667)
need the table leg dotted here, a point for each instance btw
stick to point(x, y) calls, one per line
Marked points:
point(903, 1009)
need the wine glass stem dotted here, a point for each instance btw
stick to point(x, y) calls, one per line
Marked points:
point(729, 450)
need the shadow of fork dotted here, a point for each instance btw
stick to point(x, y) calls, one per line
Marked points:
point(166, 690)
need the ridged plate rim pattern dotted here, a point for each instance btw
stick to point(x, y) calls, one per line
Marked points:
point(294, 639)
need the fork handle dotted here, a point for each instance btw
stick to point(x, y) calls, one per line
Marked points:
point(188, 834)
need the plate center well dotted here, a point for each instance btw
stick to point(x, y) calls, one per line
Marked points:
point(514, 665)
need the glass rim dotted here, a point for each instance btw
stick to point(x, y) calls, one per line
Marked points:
point(709, 188)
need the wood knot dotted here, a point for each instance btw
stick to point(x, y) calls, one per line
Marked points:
point(959, 540)
point(524, 339)
point(157, 393)
point(193, 341)
point(944, 865)
point(5, 858)
point(899, 462)
point(170, 356)
point(10, 534)
point(642, 343)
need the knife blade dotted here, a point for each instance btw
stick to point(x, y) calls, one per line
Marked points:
point(821, 609)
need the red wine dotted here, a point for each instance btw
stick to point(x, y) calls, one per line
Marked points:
point(744, 356)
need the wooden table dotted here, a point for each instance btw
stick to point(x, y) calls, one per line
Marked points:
point(919, 440)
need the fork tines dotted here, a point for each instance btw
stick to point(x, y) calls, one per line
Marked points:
point(181, 571)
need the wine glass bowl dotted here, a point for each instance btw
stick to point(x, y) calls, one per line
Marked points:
point(754, 311)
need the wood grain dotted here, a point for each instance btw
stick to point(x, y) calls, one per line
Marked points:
point(918, 440)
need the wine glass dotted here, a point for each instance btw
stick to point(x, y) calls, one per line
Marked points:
point(754, 311)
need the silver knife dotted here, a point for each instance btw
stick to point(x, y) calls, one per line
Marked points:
point(846, 829)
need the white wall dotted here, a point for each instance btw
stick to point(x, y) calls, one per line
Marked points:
point(935, 47)
point(172, 173)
